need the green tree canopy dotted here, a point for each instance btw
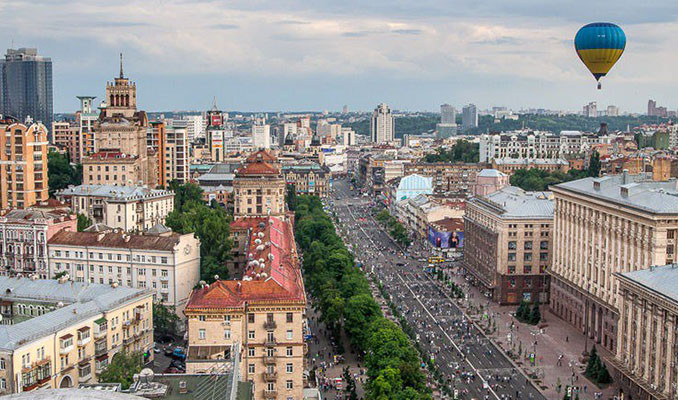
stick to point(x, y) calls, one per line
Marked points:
point(122, 368)
point(461, 151)
point(165, 319)
point(84, 222)
point(61, 173)
point(534, 179)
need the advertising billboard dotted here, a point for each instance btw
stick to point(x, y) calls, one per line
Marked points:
point(446, 240)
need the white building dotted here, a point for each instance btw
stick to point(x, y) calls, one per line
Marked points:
point(195, 126)
point(165, 262)
point(130, 208)
point(261, 136)
point(469, 117)
point(348, 136)
point(538, 145)
point(590, 110)
point(382, 126)
point(448, 122)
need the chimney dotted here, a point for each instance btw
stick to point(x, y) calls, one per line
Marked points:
point(625, 177)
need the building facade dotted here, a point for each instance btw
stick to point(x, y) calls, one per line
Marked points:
point(263, 313)
point(130, 208)
point(167, 263)
point(259, 187)
point(447, 177)
point(23, 165)
point(61, 334)
point(382, 124)
point(617, 223)
point(508, 244)
point(308, 178)
point(469, 117)
point(23, 240)
point(644, 365)
point(65, 136)
point(169, 140)
point(26, 86)
point(111, 167)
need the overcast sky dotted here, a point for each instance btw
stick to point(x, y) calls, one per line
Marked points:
point(322, 54)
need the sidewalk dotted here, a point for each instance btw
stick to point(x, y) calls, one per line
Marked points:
point(321, 356)
point(555, 339)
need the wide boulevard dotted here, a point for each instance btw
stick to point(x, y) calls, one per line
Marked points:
point(470, 363)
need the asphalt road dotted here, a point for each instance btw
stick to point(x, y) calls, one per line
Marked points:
point(470, 362)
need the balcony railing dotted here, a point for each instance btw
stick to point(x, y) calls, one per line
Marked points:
point(270, 376)
point(269, 360)
point(270, 324)
point(65, 350)
point(270, 394)
point(270, 342)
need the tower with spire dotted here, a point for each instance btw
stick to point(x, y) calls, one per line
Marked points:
point(121, 96)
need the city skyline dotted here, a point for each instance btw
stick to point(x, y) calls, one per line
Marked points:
point(295, 56)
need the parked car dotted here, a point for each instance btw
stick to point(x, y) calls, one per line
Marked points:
point(179, 354)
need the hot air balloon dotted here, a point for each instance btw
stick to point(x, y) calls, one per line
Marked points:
point(599, 45)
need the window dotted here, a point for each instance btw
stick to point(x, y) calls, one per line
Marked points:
point(289, 384)
point(512, 245)
point(290, 317)
point(543, 256)
point(250, 368)
point(250, 351)
point(289, 351)
point(544, 245)
point(290, 335)
point(289, 368)
point(527, 269)
point(201, 318)
point(512, 282)
point(250, 335)
point(201, 334)
point(250, 318)
point(511, 269)
point(2, 364)
point(511, 256)
point(227, 334)
point(528, 245)
point(527, 257)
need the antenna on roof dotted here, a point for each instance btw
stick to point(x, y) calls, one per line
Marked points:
point(121, 75)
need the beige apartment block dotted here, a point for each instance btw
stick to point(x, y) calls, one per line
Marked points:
point(508, 244)
point(259, 187)
point(308, 178)
point(59, 333)
point(111, 168)
point(165, 262)
point(614, 224)
point(262, 315)
point(23, 164)
point(645, 363)
point(130, 208)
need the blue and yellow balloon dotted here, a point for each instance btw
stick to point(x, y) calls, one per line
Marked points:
point(599, 45)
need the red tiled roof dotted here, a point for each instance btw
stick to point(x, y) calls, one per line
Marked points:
point(258, 168)
point(261, 155)
point(272, 272)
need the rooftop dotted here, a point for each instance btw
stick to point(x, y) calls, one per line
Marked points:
point(116, 239)
point(112, 192)
point(662, 280)
point(81, 301)
point(514, 202)
point(633, 191)
point(30, 216)
point(272, 272)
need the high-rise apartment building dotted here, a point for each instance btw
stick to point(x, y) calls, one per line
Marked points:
point(590, 110)
point(612, 111)
point(169, 139)
point(448, 122)
point(85, 120)
point(654, 111)
point(261, 136)
point(382, 126)
point(613, 224)
point(469, 117)
point(23, 164)
point(26, 86)
point(195, 127)
point(65, 137)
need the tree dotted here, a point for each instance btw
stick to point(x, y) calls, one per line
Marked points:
point(591, 366)
point(291, 197)
point(60, 173)
point(359, 312)
point(165, 319)
point(122, 368)
point(461, 151)
point(521, 312)
point(535, 315)
point(185, 193)
point(350, 389)
point(594, 164)
point(84, 222)
point(59, 274)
